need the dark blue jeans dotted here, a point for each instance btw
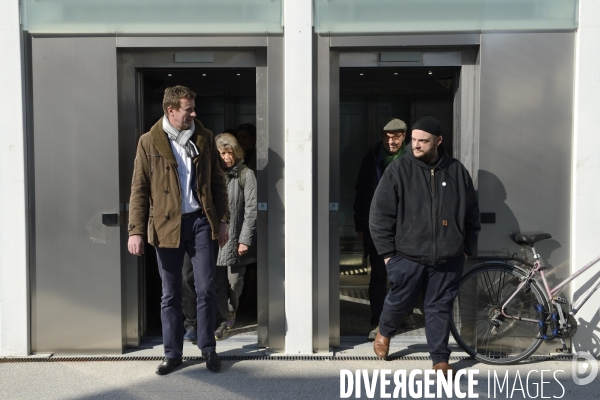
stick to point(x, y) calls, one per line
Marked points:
point(196, 240)
point(189, 294)
point(439, 285)
point(189, 291)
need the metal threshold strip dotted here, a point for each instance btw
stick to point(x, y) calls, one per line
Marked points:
point(250, 358)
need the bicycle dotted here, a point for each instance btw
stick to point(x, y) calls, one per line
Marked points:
point(501, 315)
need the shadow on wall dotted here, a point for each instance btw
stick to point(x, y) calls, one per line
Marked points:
point(495, 238)
point(588, 332)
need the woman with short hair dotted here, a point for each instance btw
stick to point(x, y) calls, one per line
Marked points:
point(240, 250)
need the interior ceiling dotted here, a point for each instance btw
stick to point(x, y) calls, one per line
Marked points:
point(351, 79)
point(397, 73)
point(203, 74)
point(399, 80)
point(203, 81)
point(172, 76)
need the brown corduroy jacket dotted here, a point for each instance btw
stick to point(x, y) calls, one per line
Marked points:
point(155, 187)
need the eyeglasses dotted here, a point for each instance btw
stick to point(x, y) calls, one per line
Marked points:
point(396, 138)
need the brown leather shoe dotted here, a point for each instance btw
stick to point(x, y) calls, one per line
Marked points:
point(381, 345)
point(444, 367)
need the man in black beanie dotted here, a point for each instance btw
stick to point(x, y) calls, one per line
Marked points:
point(424, 221)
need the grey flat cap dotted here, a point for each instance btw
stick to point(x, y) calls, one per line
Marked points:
point(395, 125)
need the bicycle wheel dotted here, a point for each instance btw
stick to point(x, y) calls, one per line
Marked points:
point(475, 323)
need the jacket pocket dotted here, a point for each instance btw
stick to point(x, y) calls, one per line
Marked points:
point(151, 230)
point(451, 240)
point(153, 160)
point(416, 238)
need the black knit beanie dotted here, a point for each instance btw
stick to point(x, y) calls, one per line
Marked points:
point(429, 124)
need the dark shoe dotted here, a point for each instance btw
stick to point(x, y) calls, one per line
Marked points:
point(221, 332)
point(213, 361)
point(409, 322)
point(373, 333)
point(190, 335)
point(381, 345)
point(444, 367)
point(167, 366)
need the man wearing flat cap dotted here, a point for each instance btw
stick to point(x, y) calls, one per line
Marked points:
point(373, 165)
point(424, 221)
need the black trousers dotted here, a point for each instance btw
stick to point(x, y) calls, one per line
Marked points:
point(439, 285)
point(377, 284)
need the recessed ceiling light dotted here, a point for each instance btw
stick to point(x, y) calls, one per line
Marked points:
point(238, 74)
point(170, 74)
point(203, 74)
point(395, 73)
point(430, 73)
point(361, 74)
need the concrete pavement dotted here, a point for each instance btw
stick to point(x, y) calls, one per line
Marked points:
point(131, 375)
point(273, 379)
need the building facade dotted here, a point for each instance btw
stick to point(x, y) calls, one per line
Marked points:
point(514, 84)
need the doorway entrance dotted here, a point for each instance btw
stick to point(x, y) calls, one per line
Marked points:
point(225, 99)
point(232, 86)
point(369, 97)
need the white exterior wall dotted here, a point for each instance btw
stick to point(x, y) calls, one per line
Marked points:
point(585, 205)
point(297, 18)
point(14, 301)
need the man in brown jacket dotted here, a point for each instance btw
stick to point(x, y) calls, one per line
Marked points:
point(178, 187)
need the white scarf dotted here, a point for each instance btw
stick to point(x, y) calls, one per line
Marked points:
point(181, 138)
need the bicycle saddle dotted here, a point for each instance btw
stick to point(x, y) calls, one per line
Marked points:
point(529, 239)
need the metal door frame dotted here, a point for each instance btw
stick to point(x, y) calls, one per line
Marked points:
point(335, 52)
point(265, 53)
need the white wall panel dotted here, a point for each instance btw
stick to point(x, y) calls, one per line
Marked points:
point(585, 214)
point(298, 86)
point(14, 297)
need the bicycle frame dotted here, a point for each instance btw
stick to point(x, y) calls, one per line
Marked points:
point(581, 301)
point(482, 322)
point(538, 268)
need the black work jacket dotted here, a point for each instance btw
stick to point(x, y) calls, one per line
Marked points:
point(425, 213)
point(369, 175)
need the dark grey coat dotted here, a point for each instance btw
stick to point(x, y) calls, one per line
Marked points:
point(242, 222)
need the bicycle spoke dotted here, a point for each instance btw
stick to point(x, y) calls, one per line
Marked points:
point(474, 328)
point(486, 335)
point(489, 285)
point(481, 329)
point(472, 297)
